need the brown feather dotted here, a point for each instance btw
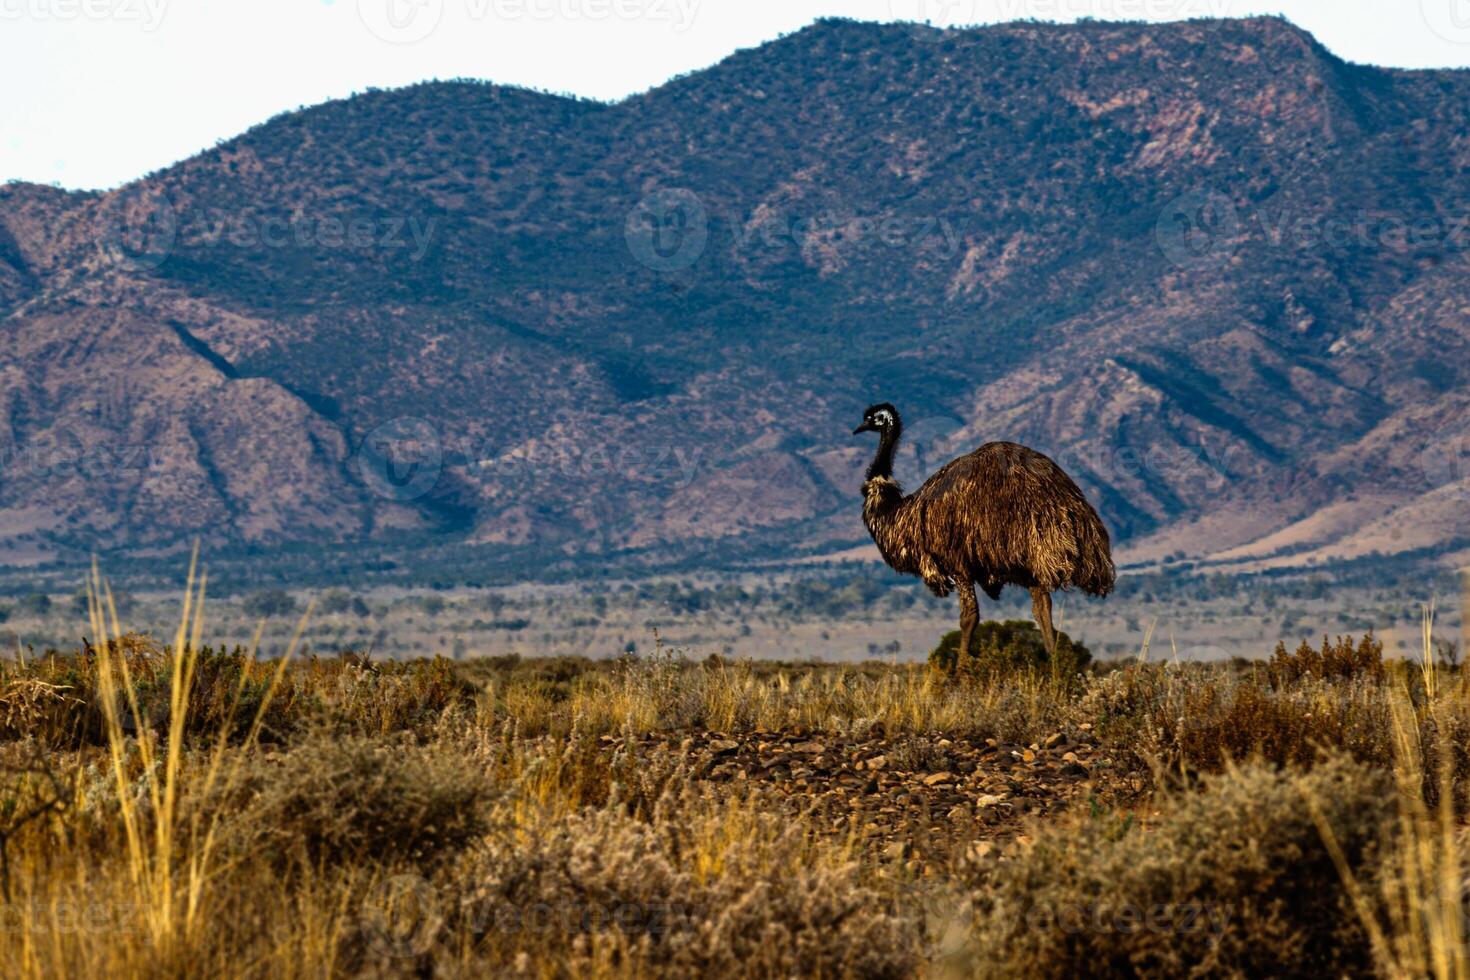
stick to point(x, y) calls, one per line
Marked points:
point(1001, 515)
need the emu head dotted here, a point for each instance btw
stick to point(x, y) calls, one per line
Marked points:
point(879, 418)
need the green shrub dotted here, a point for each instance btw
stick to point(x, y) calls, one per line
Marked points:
point(1013, 647)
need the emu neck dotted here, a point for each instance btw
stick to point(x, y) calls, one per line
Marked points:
point(882, 466)
point(882, 503)
point(881, 498)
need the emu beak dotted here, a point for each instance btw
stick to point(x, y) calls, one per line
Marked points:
point(865, 427)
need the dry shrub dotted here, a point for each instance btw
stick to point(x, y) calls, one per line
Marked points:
point(556, 842)
point(1441, 748)
point(1235, 880)
point(703, 887)
point(359, 800)
point(1416, 915)
point(1200, 716)
point(916, 753)
point(666, 693)
point(57, 698)
point(1335, 661)
point(368, 697)
point(54, 698)
point(350, 694)
point(33, 708)
point(1236, 721)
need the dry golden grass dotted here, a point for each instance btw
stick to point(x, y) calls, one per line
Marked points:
point(170, 810)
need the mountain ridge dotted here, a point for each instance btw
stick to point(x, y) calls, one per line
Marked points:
point(455, 270)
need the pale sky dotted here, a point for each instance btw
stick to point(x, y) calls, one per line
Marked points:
point(99, 92)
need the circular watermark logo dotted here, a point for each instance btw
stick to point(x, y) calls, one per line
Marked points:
point(668, 230)
point(1198, 230)
point(401, 459)
point(949, 927)
point(927, 20)
point(1450, 19)
point(137, 229)
point(1445, 459)
point(401, 21)
point(401, 917)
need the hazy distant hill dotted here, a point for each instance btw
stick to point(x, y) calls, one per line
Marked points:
point(1218, 273)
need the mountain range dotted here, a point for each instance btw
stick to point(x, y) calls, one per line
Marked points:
point(1215, 271)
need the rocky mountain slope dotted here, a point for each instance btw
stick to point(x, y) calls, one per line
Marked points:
point(1215, 271)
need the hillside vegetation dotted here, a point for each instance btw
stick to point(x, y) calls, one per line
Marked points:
point(1212, 269)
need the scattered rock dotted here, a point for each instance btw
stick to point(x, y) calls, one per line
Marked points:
point(980, 787)
point(981, 850)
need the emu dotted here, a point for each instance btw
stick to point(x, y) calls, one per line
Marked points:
point(1001, 515)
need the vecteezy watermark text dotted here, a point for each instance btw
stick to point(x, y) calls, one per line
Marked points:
point(1113, 9)
point(1165, 918)
point(671, 228)
point(403, 917)
point(64, 454)
point(1204, 228)
point(392, 233)
point(70, 918)
point(410, 21)
point(941, 233)
point(677, 465)
point(929, 17)
point(147, 13)
point(404, 458)
point(142, 230)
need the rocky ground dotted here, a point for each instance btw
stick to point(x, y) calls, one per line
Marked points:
point(927, 800)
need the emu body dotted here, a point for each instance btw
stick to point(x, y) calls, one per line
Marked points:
point(1001, 515)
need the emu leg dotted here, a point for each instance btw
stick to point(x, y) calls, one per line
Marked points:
point(969, 616)
point(1041, 610)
